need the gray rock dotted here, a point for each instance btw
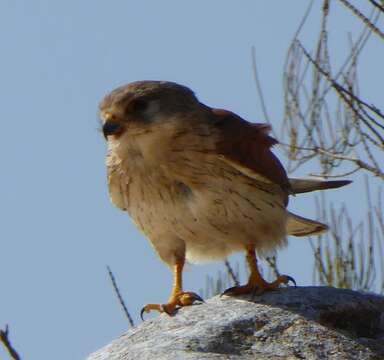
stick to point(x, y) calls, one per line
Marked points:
point(292, 323)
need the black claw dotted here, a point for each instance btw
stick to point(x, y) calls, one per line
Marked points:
point(197, 298)
point(291, 279)
point(194, 296)
point(228, 291)
point(141, 314)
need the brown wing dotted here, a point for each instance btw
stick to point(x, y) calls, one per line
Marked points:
point(246, 146)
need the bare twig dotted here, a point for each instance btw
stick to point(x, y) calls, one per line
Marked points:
point(122, 303)
point(380, 235)
point(345, 256)
point(343, 92)
point(376, 4)
point(363, 18)
point(327, 119)
point(362, 164)
point(231, 273)
point(4, 338)
point(351, 134)
point(304, 18)
point(258, 86)
point(272, 262)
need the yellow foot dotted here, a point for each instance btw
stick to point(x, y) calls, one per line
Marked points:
point(259, 287)
point(183, 298)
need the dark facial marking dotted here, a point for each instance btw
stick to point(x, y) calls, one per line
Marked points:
point(139, 105)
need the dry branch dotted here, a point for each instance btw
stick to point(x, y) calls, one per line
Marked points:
point(121, 300)
point(4, 338)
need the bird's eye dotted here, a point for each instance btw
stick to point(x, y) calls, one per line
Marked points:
point(139, 105)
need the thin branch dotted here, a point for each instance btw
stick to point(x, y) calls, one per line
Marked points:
point(258, 86)
point(343, 92)
point(344, 174)
point(377, 172)
point(376, 4)
point(271, 261)
point(231, 272)
point(337, 85)
point(126, 312)
point(304, 19)
point(363, 18)
point(362, 164)
point(4, 338)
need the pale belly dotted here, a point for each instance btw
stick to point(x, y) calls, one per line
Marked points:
point(224, 221)
point(211, 222)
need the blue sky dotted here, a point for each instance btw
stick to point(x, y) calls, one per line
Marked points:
point(58, 229)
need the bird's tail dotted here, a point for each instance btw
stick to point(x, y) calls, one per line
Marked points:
point(300, 226)
point(306, 185)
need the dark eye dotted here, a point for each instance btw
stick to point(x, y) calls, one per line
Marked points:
point(139, 105)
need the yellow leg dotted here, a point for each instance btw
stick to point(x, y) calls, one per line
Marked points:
point(178, 297)
point(256, 284)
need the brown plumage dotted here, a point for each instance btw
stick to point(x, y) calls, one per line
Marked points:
point(200, 183)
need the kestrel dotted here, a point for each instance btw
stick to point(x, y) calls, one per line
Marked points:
point(200, 183)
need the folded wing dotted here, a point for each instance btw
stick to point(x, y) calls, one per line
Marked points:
point(247, 147)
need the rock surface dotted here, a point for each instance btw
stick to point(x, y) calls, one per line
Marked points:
point(292, 323)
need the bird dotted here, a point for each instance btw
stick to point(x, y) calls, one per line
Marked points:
point(200, 183)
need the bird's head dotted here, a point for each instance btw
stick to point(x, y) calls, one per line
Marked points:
point(142, 106)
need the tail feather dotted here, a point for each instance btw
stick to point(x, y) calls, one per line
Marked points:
point(300, 226)
point(306, 185)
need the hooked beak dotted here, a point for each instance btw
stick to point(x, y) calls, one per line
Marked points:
point(112, 125)
point(111, 128)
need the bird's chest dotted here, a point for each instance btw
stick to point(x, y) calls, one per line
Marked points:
point(155, 202)
point(198, 203)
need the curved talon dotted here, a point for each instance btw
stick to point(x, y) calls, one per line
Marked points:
point(256, 285)
point(188, 298)
point(181, 299)
point(142, 311)
point(228, 291)
point(240, 290)
point(289, 278)
point(258, 288)
point(147, 308)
